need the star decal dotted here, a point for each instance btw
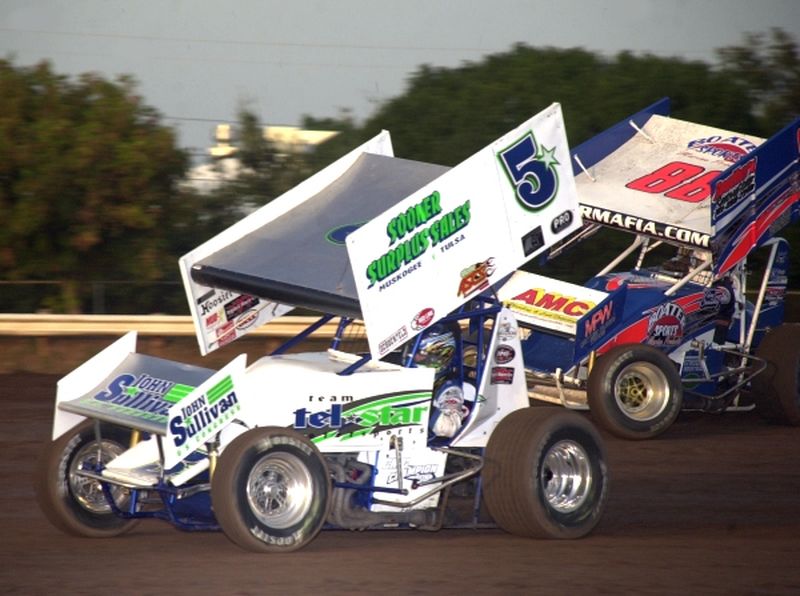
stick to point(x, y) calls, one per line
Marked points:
point(548, 157)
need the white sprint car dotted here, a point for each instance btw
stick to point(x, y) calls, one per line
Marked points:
point(423, 421)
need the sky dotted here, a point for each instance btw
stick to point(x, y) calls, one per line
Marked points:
point(199, 61)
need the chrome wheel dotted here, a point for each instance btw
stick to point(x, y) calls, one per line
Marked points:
point(280, 490)
point(642, 391)
point(566, 476)
point(88, 493)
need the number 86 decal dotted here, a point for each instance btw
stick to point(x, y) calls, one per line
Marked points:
point(677, 180)
point(531, 171)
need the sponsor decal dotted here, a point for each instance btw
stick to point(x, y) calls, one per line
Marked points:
point(551, 305)
point(644, 226)
point(693, 369)
point(422, 319)
point(504, 354)
point(412, 472)
point(561, 222)
point(775, 295)
point(239, 305)
point(226, 339)
point(665, 325)
point(531, 171)
point(715, 298)
point(737, 187)
point(198, 420)
point(597, 323)
point(731, 149)
point(412, 232)
point(209, 302)
point(395, 338)
point(507, 329)
point(350, 421)
point(212, 320)
point(502, 375)
point(338, 235)
point(224, 329)
point(475, 278)
point(288, 540)
point(143, 396)
point(532, 241)
point(247, 320)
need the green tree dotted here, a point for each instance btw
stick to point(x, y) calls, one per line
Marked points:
point(447, 114)
point(767, 69)
point(87, 176)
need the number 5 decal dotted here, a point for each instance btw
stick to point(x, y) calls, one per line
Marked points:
point(531, 171)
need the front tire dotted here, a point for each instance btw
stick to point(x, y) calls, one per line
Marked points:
point(271, 490)
point(776, 390)
point(73, 503)
point(634, 391)
point(545, 474)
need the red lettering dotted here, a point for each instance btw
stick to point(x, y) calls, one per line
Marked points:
point(552, 302)
point(665, 177)
point(576, 309)
point(694, 191)
point(528, 297)
point(598, 318)
point(736, 178)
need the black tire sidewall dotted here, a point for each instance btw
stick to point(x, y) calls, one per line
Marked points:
point(53, 491)
point(514, 458)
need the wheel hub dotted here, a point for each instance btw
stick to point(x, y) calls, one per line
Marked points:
point(87, 491)
point(279, 490)
point(642, 391)
point(566, 476)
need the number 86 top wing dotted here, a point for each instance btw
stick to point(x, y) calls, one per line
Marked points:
point(690, 184)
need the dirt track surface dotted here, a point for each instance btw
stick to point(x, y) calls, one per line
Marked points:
point(712, 507)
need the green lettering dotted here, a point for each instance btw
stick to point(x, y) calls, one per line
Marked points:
point(368, 418)
point(434, 200)
point(420, 212)
point(372, 274)
point(434, 233)
point(464, 214)
point(392, 231)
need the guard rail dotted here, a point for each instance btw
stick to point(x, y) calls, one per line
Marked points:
point(46, 325)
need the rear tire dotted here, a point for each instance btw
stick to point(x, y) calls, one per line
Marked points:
point(776, 391)
point(634, 391)
point(77, 505)
point(271, 490)
point(545, 474)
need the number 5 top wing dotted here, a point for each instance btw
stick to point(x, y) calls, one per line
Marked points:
point(464, 231)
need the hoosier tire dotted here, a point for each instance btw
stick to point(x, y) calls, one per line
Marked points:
point(545, 474)
point(776, 391)
point(634, 391)
point(75, 504)
point(271, 490)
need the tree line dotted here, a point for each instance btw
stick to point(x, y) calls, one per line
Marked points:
point(93, 187)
